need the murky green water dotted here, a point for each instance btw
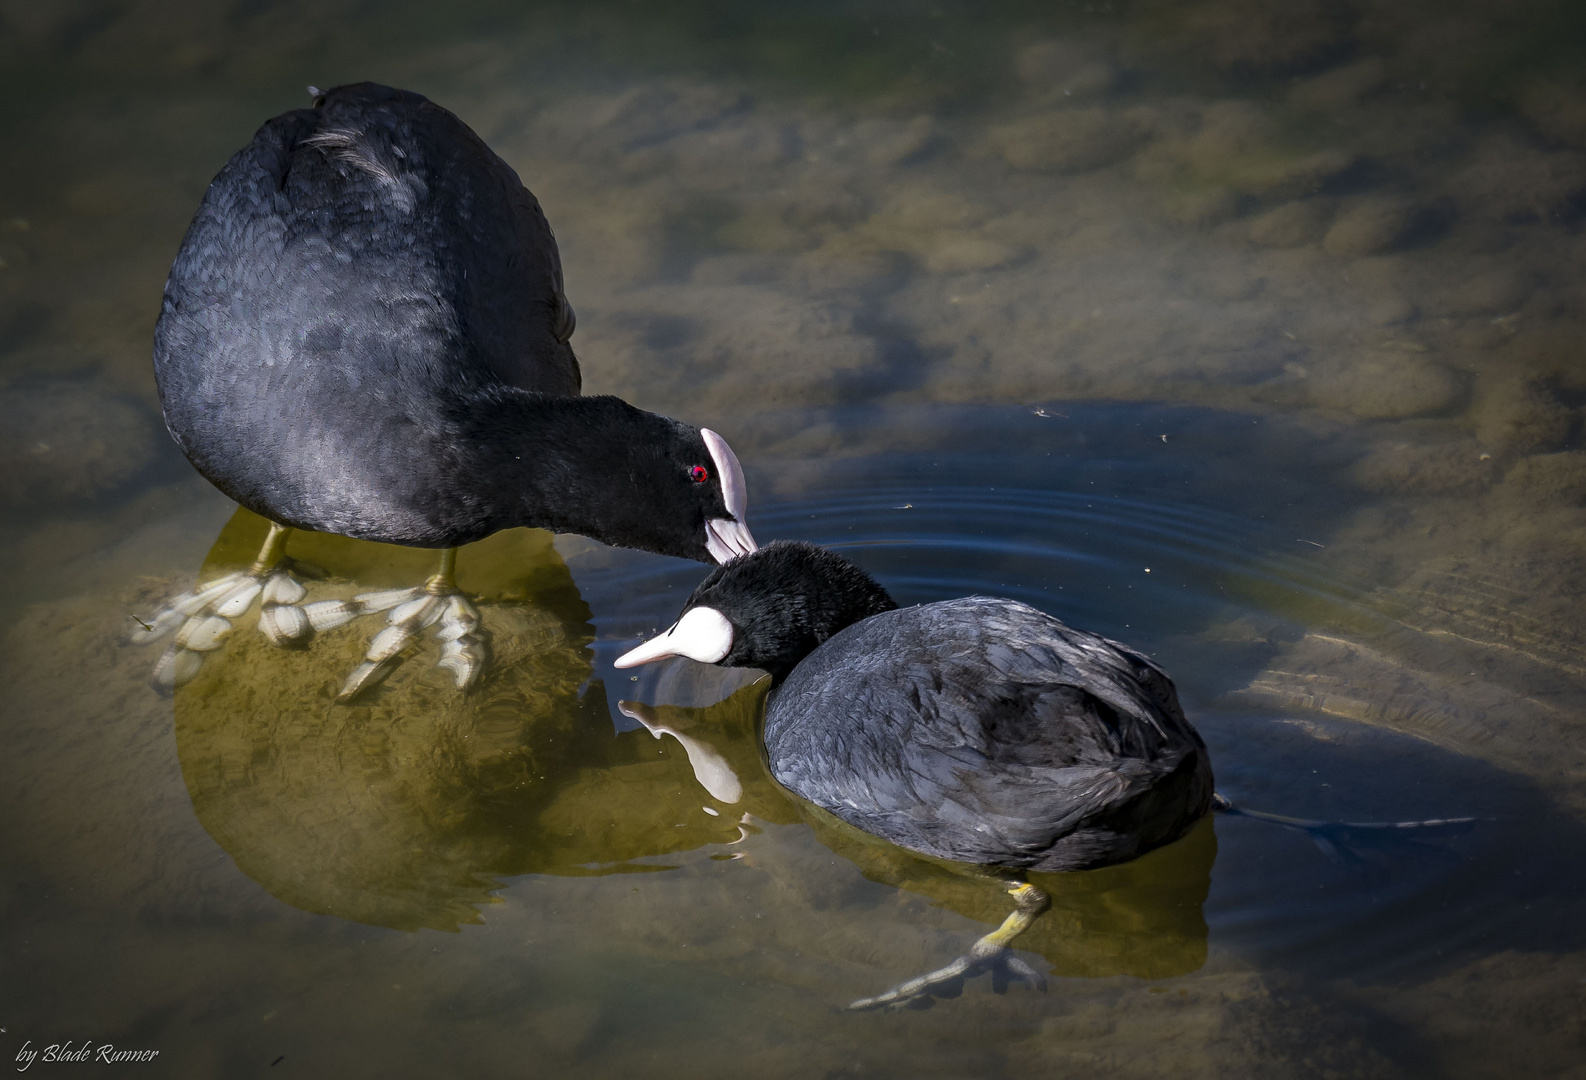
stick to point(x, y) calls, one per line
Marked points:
point(1281, 302)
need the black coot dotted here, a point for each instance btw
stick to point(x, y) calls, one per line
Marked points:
point(977, 730)
point(365, 333)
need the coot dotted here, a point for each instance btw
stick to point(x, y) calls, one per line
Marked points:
point(365, 333)
point(978, 730)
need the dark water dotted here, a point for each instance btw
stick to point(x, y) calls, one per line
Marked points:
point(1245, 333)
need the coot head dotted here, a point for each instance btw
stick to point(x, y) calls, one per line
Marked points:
point(768, 609)
point(644, 481)
point(600, 467)
point(716, 483)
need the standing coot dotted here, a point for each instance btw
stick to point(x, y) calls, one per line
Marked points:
point(977, 730)
point(365, 333)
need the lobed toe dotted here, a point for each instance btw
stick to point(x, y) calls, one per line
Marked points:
point(203, 633)
point(176, 666)
point(285, 624)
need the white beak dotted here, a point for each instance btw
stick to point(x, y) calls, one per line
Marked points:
point(702, 634)
point(727, 538)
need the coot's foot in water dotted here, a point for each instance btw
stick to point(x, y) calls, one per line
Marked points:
point(991, 953)
point(465, 648)
point(203, 618)
point(1351, 843)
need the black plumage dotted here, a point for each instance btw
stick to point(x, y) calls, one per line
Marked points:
point(978, 730)
point(787, 602)
point(365, 333)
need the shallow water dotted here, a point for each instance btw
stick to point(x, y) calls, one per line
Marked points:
point(1247, 334)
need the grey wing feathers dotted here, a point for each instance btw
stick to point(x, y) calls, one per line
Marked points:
point(1004, 732)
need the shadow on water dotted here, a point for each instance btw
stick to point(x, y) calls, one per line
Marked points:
point(1372, 903)
point(402, 810)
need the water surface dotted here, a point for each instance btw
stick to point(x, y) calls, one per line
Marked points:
point(1247, 334)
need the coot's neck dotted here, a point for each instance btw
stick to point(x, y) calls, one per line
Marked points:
point(783, 648)
point(596, 466)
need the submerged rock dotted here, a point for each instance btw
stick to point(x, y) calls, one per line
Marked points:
point(1552, 478)
point(1294, 224)
point(1068, 140)
point(888, 143)
point(1446, 468)
point(1380, 283)
point(1201, 206)
point(1340, 87)
point(1558, 110)
point(1249, 36)
point(1511, 179)
point(1238, 144)
point(960, 252)
point(67, 442)
point(1370, 226)
point(1064, 68)
point(1388, 384)
point(1495, 291)
point(1519, 414)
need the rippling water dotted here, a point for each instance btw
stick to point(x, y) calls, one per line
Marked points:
point(1110, 543)
point(1246, 333)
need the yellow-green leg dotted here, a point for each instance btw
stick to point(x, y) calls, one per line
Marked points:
point(444, 581)
point(273, 553)
point(990, 953)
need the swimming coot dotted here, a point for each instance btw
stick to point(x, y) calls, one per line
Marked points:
point(365, 333)
point(977, 730)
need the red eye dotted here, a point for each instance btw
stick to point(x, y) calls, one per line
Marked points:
point(699, 474)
